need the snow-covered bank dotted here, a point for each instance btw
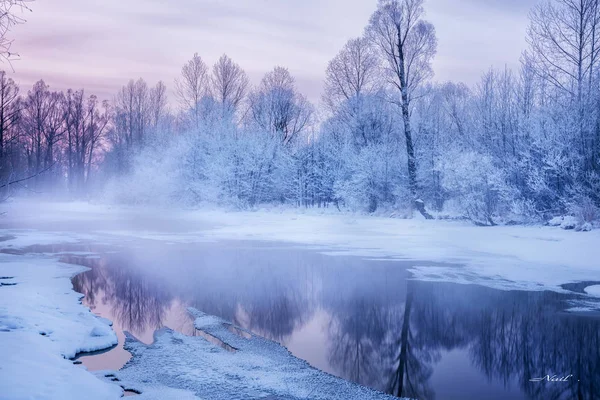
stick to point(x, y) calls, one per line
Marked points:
point(42, 324)
point(258, 369)
point(505, 257)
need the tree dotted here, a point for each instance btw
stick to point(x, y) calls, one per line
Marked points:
point(157, 104)
point(277, 106)
point(352, 73)
point(8, 19)
point(9, 117)
point(192, 86)
point(407, 44)
point(564, 49)
point(40, 108)
point(86, 121)
point(229, 84)
point(132, 106)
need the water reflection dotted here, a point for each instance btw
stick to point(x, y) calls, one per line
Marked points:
point(361, 320)
point(137, 301)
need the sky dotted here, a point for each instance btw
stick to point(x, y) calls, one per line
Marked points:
point(99, 46)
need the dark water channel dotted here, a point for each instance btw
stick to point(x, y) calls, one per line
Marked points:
point(362, 320)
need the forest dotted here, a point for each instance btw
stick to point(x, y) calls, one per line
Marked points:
point(520, 146)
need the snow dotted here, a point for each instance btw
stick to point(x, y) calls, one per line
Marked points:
point(593, 290)
point(569, 222)
point(22, 238)
point(31, 367)
point(42, 324)
point(258, 369)
point(556, 221)
point(503, 257)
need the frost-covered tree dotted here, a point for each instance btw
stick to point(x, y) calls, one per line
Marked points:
point(192, 86)
point(277, 106)
point(353, 72)
point(229, 85)
point(158, 105)
point(407, 44)
point(564, 41)
point(519, 145)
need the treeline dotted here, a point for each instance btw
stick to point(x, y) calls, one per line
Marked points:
point(518, 146)
point(51, 135)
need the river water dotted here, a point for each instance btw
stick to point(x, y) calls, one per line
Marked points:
point(362, 320)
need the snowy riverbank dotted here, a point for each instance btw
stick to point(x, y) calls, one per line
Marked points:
point(42, 323)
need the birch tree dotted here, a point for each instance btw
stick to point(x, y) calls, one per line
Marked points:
point(407, 45)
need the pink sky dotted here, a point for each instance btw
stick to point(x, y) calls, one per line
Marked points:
point(101, 45)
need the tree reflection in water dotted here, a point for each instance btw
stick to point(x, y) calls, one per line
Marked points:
point(384, 330)
point(138, 302)
point(511, 337)
point(372, 341)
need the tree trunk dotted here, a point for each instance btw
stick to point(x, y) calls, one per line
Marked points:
point(403, 358)
point(410, 149)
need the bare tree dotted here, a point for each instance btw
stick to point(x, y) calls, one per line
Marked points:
point(564, 42)
point(98, 118)
point(565, 46)
point(158, 104)
point(132, 105)
point(55, 128)
point(9, 116)
point(9, 17)
point(86, 121)
point(353, 72)
point(229, 84)
point(192, 86)
point(35, 116)
point(277, 107)
point(407, 44)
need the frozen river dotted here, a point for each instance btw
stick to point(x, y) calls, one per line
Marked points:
point(364, 319)
point(351, 317)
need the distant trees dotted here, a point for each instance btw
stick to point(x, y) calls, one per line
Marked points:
point(158, 105)
point(564, 39)
point(49, 138)
point(42, 120)
point(87, 121)
point(520, 145)
point(10, 106)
